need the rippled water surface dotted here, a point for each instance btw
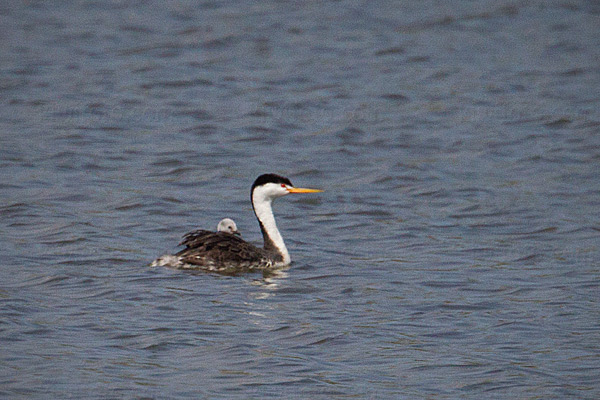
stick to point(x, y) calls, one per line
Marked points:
point(454, 252)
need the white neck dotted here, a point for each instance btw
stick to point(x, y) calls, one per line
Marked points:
point(264, 213)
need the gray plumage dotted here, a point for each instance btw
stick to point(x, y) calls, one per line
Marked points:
point(227, 225)
point(221, 252)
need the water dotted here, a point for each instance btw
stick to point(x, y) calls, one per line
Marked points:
point(454, 253)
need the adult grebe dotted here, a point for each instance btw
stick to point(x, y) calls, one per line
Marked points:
point(224, 252)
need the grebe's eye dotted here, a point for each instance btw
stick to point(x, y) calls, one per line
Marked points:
point(283, 185)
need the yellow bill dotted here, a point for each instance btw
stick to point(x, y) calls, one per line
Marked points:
point(302, 190)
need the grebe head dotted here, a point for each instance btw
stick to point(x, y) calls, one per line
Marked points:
point(227, 225)
point(268, 187)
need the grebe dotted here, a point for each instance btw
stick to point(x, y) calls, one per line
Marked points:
point(227, 225)
point(227, 253)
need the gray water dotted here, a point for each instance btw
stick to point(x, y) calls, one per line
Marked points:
point(455, 250)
